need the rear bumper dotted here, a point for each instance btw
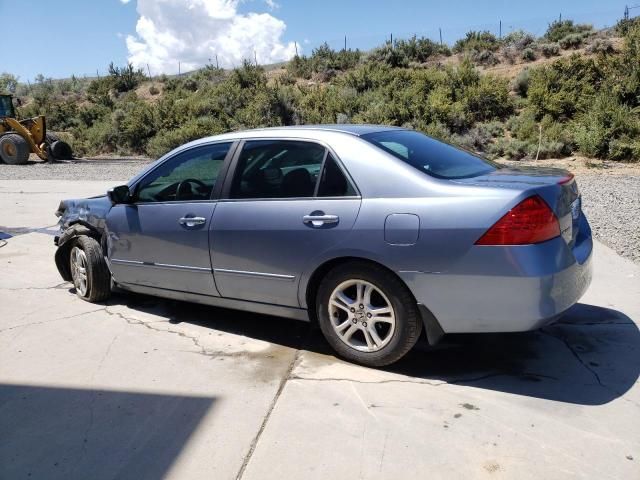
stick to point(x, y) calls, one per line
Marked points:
point(507, 289)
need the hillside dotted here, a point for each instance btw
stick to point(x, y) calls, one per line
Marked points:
point(572, 91)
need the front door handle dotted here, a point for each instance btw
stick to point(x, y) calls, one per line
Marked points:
point(319, 219)
point(192, 221)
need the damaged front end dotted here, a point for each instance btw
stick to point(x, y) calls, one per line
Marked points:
point(78, 217)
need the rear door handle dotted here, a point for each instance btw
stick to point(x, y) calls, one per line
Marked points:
point(192, 221)
point(318, 219)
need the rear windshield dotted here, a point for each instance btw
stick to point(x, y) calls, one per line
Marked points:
point(428, 155)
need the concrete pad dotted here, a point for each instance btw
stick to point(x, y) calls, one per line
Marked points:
point(559, 403)
point(140, 387)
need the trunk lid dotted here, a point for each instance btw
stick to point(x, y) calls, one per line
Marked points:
point(556, 186)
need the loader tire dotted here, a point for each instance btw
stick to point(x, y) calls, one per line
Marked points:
point(14, 149)
point(61, 150)
point(51, 137)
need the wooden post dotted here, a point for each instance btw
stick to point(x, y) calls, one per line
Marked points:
point(345, 43)
point(178, 68)
point(295, 44)
point(440, 29)
point(149, 70)
point(255, 57)
point(500, 34)
point(217, 66)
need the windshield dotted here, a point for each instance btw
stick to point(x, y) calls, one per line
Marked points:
point(428, 155)
point(6, 107)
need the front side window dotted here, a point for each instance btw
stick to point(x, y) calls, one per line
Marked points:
point(430, 156)
point(277, 169)
point(189, 176)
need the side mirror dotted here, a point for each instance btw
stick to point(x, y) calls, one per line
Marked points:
point(119, 194)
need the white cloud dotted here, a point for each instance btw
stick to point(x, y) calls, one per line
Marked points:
point(125, 1)
point(272, 4)
point(194, 31)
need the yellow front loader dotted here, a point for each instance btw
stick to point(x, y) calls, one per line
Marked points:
point(19, 138)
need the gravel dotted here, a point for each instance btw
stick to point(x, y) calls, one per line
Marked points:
point(611, 201)
point(99, 169)
point(612, 205)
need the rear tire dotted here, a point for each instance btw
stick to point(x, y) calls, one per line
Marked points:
point(14, 150)
point(367, 315)
point(89, 271)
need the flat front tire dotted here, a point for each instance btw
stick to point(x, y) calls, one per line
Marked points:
point(89, 271)
point(367, 314)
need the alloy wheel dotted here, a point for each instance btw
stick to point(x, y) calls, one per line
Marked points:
point(361, 315)
point(79, 270)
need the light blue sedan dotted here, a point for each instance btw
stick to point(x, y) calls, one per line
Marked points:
point(374, 233)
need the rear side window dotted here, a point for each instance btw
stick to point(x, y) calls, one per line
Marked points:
point(435, 158)
point(333, 182)
point(277, 169)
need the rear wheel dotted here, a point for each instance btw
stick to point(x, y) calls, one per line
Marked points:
point(14, 149)
point(89, 271)
point(367, 316)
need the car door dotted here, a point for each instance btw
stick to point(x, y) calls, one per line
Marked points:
point(161, 239)
point(286, 202)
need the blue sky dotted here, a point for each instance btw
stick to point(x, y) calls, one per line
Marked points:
point(82, 36)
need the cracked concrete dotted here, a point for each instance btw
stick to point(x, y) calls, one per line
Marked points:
point(146, 388)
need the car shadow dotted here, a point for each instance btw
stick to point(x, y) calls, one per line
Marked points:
point(62, 432)
point(591, 356)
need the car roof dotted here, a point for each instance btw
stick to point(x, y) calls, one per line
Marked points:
point(355, 130)
point(361, 129)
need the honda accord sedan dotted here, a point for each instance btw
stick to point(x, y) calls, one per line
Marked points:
point(374, 233)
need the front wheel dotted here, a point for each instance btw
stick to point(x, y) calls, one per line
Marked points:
point(89, 271)
point(367, 314)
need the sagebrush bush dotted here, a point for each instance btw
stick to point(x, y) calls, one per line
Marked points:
point(573, 40)
point(520, 84)
point(528, 55)
point(601, 45)
point(477, 41)
point(550, 49)
point(519, 40)
point(560, 29)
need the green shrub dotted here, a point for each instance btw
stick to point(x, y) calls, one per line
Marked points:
point(519, 40)
point(510, 148)
point(521, 82)
point(8, 83)
point(528, 55)
point(624, 148)
point(477, 41)
point(194, 129)
point(560, 29)
point(602, 46)
point(417, 50)
point(573, 40)
point(550, 49)
point(564, 87)
point(484, 57)
point(624, 25)
point(300, 67)
point(605, 121)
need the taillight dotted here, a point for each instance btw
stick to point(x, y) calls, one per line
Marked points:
point(531, 221)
